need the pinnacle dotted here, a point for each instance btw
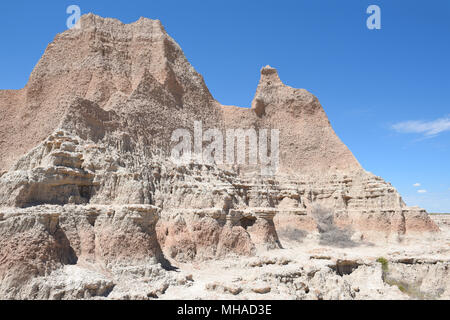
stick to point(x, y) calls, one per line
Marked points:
point(267, 70)
point(269, 76)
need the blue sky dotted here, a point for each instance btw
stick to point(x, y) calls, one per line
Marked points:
point(386, 92)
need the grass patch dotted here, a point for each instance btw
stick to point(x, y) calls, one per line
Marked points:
point(384, 264)
point(413, 291)
point(410, 289)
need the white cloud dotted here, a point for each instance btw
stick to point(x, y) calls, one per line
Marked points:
point(422, 191)
point(416, 185)
point(427, 128)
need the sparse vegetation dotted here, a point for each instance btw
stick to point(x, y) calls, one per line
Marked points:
point(410, 289)
point(330, 234)
point(384, 264)
point(402, 288)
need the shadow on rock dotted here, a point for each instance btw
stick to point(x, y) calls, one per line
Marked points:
point(166, 264)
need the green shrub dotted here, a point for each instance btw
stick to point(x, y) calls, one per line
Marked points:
point(384, 264)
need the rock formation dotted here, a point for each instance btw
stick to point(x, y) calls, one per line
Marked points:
point(86, 176)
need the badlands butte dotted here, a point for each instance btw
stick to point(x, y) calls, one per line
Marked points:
point(92, 207)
